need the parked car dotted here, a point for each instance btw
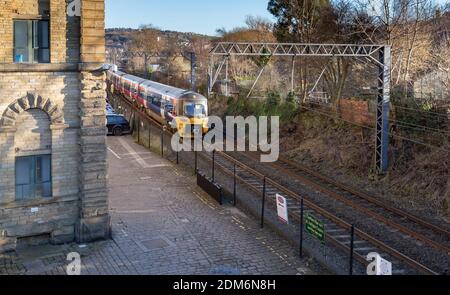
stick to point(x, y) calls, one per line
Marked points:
point(117, 125)
point(109, 109)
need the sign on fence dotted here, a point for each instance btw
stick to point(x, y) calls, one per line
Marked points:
point(282, 209)
point(315, 227)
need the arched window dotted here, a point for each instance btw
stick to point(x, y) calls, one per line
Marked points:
point(32, 144)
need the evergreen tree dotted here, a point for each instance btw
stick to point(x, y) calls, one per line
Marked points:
point(299, 20)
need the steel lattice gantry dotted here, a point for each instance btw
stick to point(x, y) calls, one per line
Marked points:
point(380, 55)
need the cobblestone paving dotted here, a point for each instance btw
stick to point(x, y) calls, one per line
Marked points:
point(164, 224)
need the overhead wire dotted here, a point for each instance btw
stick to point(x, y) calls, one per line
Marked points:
point(405, 124)
point(374, 129)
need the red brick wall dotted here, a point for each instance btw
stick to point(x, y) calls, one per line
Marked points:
point(356, 111)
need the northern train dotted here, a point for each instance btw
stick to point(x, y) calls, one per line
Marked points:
point(180, 110)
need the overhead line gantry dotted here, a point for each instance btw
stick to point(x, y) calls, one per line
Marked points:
point(380, 55)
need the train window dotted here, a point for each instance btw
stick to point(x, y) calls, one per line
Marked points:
point(169, 108)
point(192, 110)
point(156, 101)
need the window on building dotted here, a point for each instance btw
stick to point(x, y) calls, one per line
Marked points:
point(33, 177)
point(31, 41)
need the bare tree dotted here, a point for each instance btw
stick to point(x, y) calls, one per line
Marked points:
point(147, 39)
point(259, 23)
point(420, 11)
point(399, 23)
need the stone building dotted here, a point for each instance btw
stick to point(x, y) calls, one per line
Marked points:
point(52, 122)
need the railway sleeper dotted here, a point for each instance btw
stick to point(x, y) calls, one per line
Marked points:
point(365, 249)
point(337, 230)
point(328, 225)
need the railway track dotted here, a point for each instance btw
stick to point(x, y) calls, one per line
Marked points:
point(399, 220)
point(368, 200)
point(338, 230)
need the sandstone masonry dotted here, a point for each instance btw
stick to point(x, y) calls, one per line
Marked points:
point(56, 109)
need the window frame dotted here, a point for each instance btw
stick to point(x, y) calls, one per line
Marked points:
point(33, 40)
point(35, 181)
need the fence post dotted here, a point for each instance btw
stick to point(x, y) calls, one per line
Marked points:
point(196, 162)
point(302, 210)
point(139, 130)
point(213, 164)
point(352, 244)
point(263, 202)
point(133, 124)
point(234, 185)
point(149, 135)
point(162, 142)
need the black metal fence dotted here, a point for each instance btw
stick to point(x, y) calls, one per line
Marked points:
point(309, 226)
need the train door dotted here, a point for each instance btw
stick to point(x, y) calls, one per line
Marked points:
point(128, 89)
point(155, 104)
point(162, 108)
point(133, 91)
point(141, 95)
point(170, 112)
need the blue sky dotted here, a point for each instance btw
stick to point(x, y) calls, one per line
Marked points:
point(199, 16)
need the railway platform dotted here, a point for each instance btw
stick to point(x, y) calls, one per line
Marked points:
point(164, 224)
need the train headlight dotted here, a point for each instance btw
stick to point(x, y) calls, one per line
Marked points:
point(205, 123)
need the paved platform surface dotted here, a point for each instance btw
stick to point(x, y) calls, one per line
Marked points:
point(164, 224)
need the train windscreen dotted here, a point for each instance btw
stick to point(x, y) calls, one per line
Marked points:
point(194, 110)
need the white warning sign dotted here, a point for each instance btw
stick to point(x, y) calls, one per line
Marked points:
point(282, 209)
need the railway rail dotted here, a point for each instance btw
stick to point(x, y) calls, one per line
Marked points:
point(400, 220)
point(338, 229)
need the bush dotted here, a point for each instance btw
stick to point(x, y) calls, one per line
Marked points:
point(272, 103)
point(272, 106)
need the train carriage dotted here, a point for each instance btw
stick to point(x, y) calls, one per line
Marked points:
point(113, 78)
point(179, 109)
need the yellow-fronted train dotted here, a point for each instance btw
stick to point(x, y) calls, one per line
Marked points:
point(180, 110)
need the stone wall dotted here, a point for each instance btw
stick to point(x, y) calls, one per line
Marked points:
point(95, 220)
point(33, 134)
point(64, 31)
point(58, 31)
point(6, 31)
point(56, 108)
point(30, 7)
